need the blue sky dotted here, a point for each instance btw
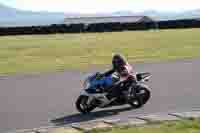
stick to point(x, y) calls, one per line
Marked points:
point(103, 6)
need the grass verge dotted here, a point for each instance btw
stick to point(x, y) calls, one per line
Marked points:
point(44, 53)
point(183, 126)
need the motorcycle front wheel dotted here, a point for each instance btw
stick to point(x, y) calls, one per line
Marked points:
point(142, 97)
point(82, 105)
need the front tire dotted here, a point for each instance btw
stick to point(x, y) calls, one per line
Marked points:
point(136, 103)
point(143, 95)
point(82, 106)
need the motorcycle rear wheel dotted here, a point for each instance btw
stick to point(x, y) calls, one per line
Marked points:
point(82, 106)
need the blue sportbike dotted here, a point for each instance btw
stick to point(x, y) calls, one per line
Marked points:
point(97, 88)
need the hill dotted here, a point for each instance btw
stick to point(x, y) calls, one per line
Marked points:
point(14, 17)
point(164, 15)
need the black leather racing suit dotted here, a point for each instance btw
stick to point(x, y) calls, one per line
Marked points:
point(124, 72)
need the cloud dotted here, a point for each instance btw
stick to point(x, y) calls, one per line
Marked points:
point(92, 6)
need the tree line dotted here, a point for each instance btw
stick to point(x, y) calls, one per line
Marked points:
point(99, 27)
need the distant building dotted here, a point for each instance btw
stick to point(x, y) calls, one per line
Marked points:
point(107, 19)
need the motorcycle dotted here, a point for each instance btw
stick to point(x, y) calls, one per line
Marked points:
point(135, 95)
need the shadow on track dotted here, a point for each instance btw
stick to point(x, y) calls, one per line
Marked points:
point(84, 118)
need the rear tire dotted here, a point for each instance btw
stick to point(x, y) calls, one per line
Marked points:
point(82, 106)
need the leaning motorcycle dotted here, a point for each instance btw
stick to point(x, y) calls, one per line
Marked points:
point(136, 95)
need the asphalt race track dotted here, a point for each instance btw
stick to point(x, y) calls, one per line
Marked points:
point(30, 101)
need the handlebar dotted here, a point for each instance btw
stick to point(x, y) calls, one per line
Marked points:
point(143, 76)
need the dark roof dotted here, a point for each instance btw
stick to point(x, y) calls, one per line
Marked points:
point(107, 19)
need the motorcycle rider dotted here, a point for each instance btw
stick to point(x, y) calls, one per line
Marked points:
point(125, 72)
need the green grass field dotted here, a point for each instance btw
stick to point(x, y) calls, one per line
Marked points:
point(184, 126)
point(45, 53)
